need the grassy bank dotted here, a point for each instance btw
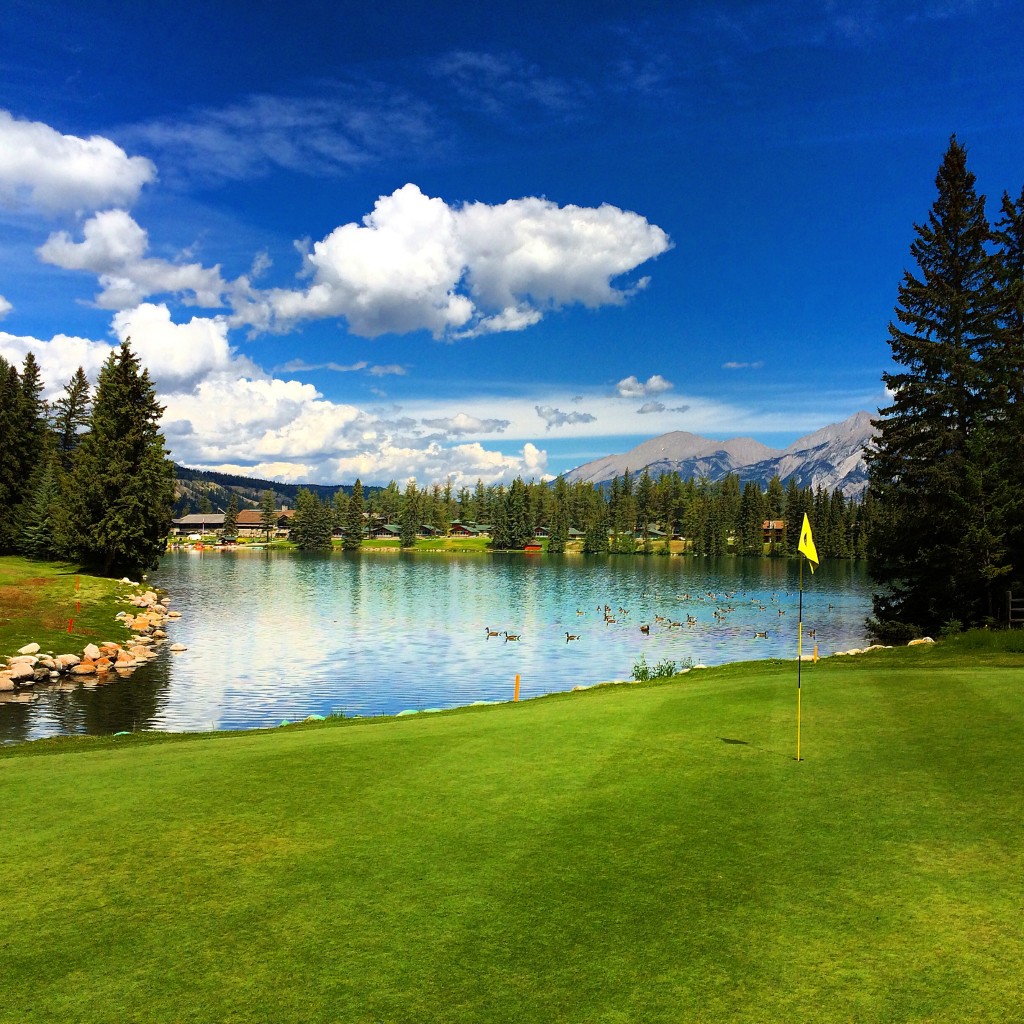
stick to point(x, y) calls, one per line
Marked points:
point(643, 853)
point(38, 599)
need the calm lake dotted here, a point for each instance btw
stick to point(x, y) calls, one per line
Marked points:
point(279, 636)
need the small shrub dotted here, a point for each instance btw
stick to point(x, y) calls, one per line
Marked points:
point(642, 672)
point(891, 631)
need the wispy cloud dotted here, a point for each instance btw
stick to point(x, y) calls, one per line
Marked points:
point(735, 365)
point(506, 87)
point(462, 424)
point(345, 127)
point(301, 366)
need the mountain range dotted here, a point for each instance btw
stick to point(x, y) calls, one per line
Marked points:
point(832, 457)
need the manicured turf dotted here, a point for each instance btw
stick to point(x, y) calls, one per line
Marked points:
point(38, 599)
point(637, 853)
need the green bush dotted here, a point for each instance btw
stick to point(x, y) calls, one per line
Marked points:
point(891, 631)
point(642, 672)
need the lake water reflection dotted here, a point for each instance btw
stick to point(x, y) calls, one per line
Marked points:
point(276, 636)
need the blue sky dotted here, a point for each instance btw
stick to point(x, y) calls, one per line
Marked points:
point(397, 240)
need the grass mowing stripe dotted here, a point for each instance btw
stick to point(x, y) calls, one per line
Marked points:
point(599, 856)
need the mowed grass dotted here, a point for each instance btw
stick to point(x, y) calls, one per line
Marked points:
point(634, 853)
point(38, 599)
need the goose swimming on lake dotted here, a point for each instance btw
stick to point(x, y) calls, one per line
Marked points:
point(511, 636)
point(645, 629)
point(491, 632)
point(571, 636)
point(762, 636)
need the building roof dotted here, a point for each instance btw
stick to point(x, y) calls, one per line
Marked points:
point(213, 519)
point(254, 516)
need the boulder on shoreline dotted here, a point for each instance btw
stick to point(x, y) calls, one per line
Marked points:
point(98, 662)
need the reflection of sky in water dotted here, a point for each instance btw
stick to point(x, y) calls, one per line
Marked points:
point(281, 636)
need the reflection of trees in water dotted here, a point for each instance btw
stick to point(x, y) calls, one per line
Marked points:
point(15, 720)
point(121, 705)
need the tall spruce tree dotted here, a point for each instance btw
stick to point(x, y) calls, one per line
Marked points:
point(121, 487)
point(69, 416)
point(231, 517)
point(409, 516)
point(11, 481)
point(268, 513)
point(558, 533)
point(1006, 369)
point(353, 528)
point(937, 546)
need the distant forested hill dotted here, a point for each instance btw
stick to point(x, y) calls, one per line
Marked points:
point(192, 485)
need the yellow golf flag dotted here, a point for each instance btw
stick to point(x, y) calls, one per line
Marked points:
point(806, 546)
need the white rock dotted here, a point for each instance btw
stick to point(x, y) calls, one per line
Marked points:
point(178, 647)
point(92, 652)
point(23, 659)
point(20, 672)
point(29, 649)
point(921, 640)
point(6, 682)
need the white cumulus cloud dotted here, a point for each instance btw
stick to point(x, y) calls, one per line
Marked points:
point(632, 387)
point(114, 248)
point(416, 263)
point(178, 356)
point(5, 307)
point(54, 172)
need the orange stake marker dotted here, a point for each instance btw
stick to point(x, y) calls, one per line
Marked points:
point(78, 582)
point(516, 697)
point(71, 622)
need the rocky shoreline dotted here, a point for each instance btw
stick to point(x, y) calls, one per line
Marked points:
point(31, 667)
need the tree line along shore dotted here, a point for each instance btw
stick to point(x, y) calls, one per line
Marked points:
point(941, 524)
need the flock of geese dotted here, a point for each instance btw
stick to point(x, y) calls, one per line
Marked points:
point(725, 604)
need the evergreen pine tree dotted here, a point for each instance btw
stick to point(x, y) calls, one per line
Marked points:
point(41, 518)
point(501, 538)
point(519, 530)
point(11, 480)
point(354, 526)
point(231, 517)
point(268, 514)
point(1005, 362)
point(69, 416)
point(595, 536)
point(750, 536)
point(409, 515)
point(927, 471)
point(121, 487)
point(559, 527)
point(311, 525)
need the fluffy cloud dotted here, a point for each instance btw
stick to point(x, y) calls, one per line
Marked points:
point(178, 356)
point(553, 417)
point(114, 247)
point(5, 307)
point(631, 387)
point(58, 358)
point(460, 423)
point(416, 263)
point(464, 464)
point(55, 172)
point(649, 407)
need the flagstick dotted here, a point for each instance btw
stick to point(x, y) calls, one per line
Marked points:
point(799, 654)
